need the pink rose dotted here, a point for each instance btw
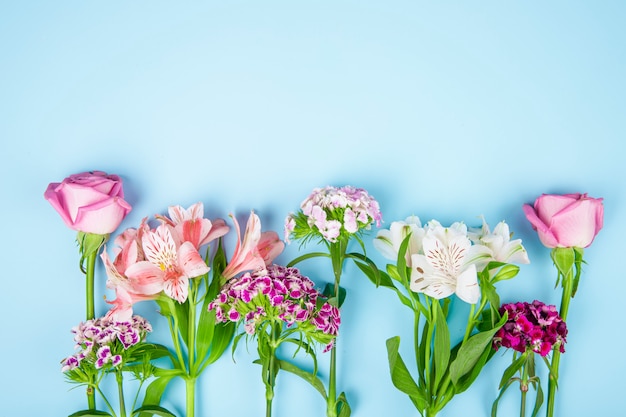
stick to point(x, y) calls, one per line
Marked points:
point(565, 221)
point(90, 202)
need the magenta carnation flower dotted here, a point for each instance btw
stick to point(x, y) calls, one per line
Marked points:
point(535, 326)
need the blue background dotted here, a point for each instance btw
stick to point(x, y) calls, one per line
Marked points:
point(446, 110)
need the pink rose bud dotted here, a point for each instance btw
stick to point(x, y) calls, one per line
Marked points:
point(90, 202)
point(565, 221)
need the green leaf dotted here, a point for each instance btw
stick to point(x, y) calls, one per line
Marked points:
point(508, 271)
point(217, 267)
point(309, 377)
point(155, 391)
point(222, 337)
point(90, 413)
point(329, 292)
point(401, 261)
point(307, 256)
point(472, 356)
point(441, 350)
point(421, 353)
point(153, 410)
point(538, 399)
point(400, 375)
point(563, 259)
point(343, 408)
point(515, 366)
point(494, 407)
point(377, 277)
point(384, 280)
point(578, 261)
point(182, 314)
point(206, 331)
point(488, 291)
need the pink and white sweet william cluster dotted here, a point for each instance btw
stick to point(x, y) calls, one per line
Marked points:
point(103, 341)
point(535, 326)
point(278, 294)
point(330, 212)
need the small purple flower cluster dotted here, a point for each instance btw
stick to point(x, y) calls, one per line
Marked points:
point(332, 210)
point(102, 341)
point(534, 326)
point(278, 293)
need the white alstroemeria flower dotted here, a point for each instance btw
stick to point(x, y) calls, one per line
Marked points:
point(388, 241)
point(447, 264)
point(499, 244)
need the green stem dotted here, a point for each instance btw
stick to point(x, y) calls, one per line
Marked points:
point(89, 288)
point(90, 312)
point(331, 402)
point(108, 404)
point(470, 323)
point(173, 323)
point(416, 335)
point(524, 383)
point(272, 368)
point(337, 255)
point(427, 348)
point(190, 382)
point(556, 353)
point(120, 389)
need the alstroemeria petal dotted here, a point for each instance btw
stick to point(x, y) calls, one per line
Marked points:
point(177, 288)
point(146, 277)
point(190, 261)
point(467, 285)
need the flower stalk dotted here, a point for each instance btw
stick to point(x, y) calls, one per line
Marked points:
point(568, 262)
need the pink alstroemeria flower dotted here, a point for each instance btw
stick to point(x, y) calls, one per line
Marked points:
point(191, 226)
point(167, 267)
point(255, 251)
point(128, 248)
point(127, 253)
point(122, 309)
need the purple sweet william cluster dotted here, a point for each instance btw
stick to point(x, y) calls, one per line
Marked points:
point(278, 293)
point(535, 326)
point(102, 341)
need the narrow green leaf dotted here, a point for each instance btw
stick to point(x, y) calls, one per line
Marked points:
point(401, 261)
point(307, 256)
point(538, 399)
point(508, 271)
point(515, 366)
point(309, 377)
point(421, 354)
point(377, 277)
point(329, 292)
point(153, 410)
point(578, 261)
point(441, 350)
point(155, 391)
point(90, 413)
point(472, 355)
point(182, 314)
point(400, 376)
point(223, 335)
point(343, 408)
point(385, 281)
point(563, 259)
point(494, 407)
point(206, 331)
